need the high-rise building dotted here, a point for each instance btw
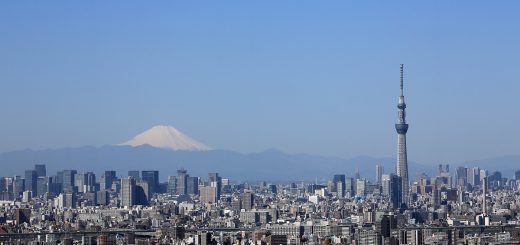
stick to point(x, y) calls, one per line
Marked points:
point(102, 197)
point(349, 187)
point(42, 185)
point(402, 159)
point(40, 170)
point(379, 173)
point(142, 192)
point(462, 176)
point(127, 193)
point(134, 174)
point(152, 177)
point(208, 194)
point(248, 200)
point(396, 192)
point(107, 179)
point(18, 186)
point(68, 180)
point(23, 215)
point(361, 187)
point(192, 185)
point(216, 181)
point(473, 176)
point(172, 184)
point(385, 183)
point(339, 184)
point(182, 182)
point(31, 181)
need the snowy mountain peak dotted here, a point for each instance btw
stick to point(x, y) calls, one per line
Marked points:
point(167, 137)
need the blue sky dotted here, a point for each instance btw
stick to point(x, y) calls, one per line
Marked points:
point(299, 76)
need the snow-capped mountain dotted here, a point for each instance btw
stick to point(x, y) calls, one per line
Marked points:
point(166, 137)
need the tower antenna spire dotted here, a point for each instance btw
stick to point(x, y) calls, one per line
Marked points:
point(402, 67)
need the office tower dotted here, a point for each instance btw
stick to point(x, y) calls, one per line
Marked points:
point(396, 191)
point(52, 186)
point(402, 159)
point(42, 185)
point(23, 215)
point(216, 181)
point(339, 184)
point(436, 197)
point(30, 181)
point(102, 197)
point(461, 176)
point(18, 186)
point(361, 187)
point(66, 200)
point(90, 184)
point(134, 174)
point(349, 187)
point(106, 180)
point(40, 170)
point(68, 180)
point(85, 182)
point(385, 183)
point(182, 182)
point(192, 185)
point(3, 184)
point(70, 199)
point(172, 184)
point(208, 194)
point(152, 177)
point(248, 200)
point(79, 181)
point(127, 193)
point(142, 192)
point(379, 173)
point(473, 176)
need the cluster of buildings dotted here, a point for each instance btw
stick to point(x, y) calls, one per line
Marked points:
point(470, 206)
point(140, 209)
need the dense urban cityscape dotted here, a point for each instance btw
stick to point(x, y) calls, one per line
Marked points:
point(259, 122)
point(468, 206)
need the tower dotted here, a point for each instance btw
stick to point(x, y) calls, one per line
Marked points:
point(402, 160)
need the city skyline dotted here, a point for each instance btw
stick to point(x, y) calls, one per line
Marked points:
point(293, 82)
point(259, 123)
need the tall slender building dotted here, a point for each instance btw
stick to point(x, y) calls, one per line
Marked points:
point(402, 160)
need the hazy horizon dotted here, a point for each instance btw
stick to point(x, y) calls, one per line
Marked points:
point(299, 77)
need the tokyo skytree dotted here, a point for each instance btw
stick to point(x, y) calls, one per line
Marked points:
point(402, 160)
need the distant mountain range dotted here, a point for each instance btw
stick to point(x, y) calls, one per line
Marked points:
point(272, 165)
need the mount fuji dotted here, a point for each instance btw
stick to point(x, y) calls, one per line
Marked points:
point(166, 137)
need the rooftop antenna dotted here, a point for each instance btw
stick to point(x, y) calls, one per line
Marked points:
point(402, 67)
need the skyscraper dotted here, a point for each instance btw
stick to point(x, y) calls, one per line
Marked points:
point(182, 182)
point(127, 194)
point(402, 160)
point(396, 190)
point(40, 170)
point(152, 177)
point(30, 181)
point(134, 174)
point(379, 174)
point(107, 179)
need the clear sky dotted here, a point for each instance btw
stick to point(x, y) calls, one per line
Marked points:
point(317, 77)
